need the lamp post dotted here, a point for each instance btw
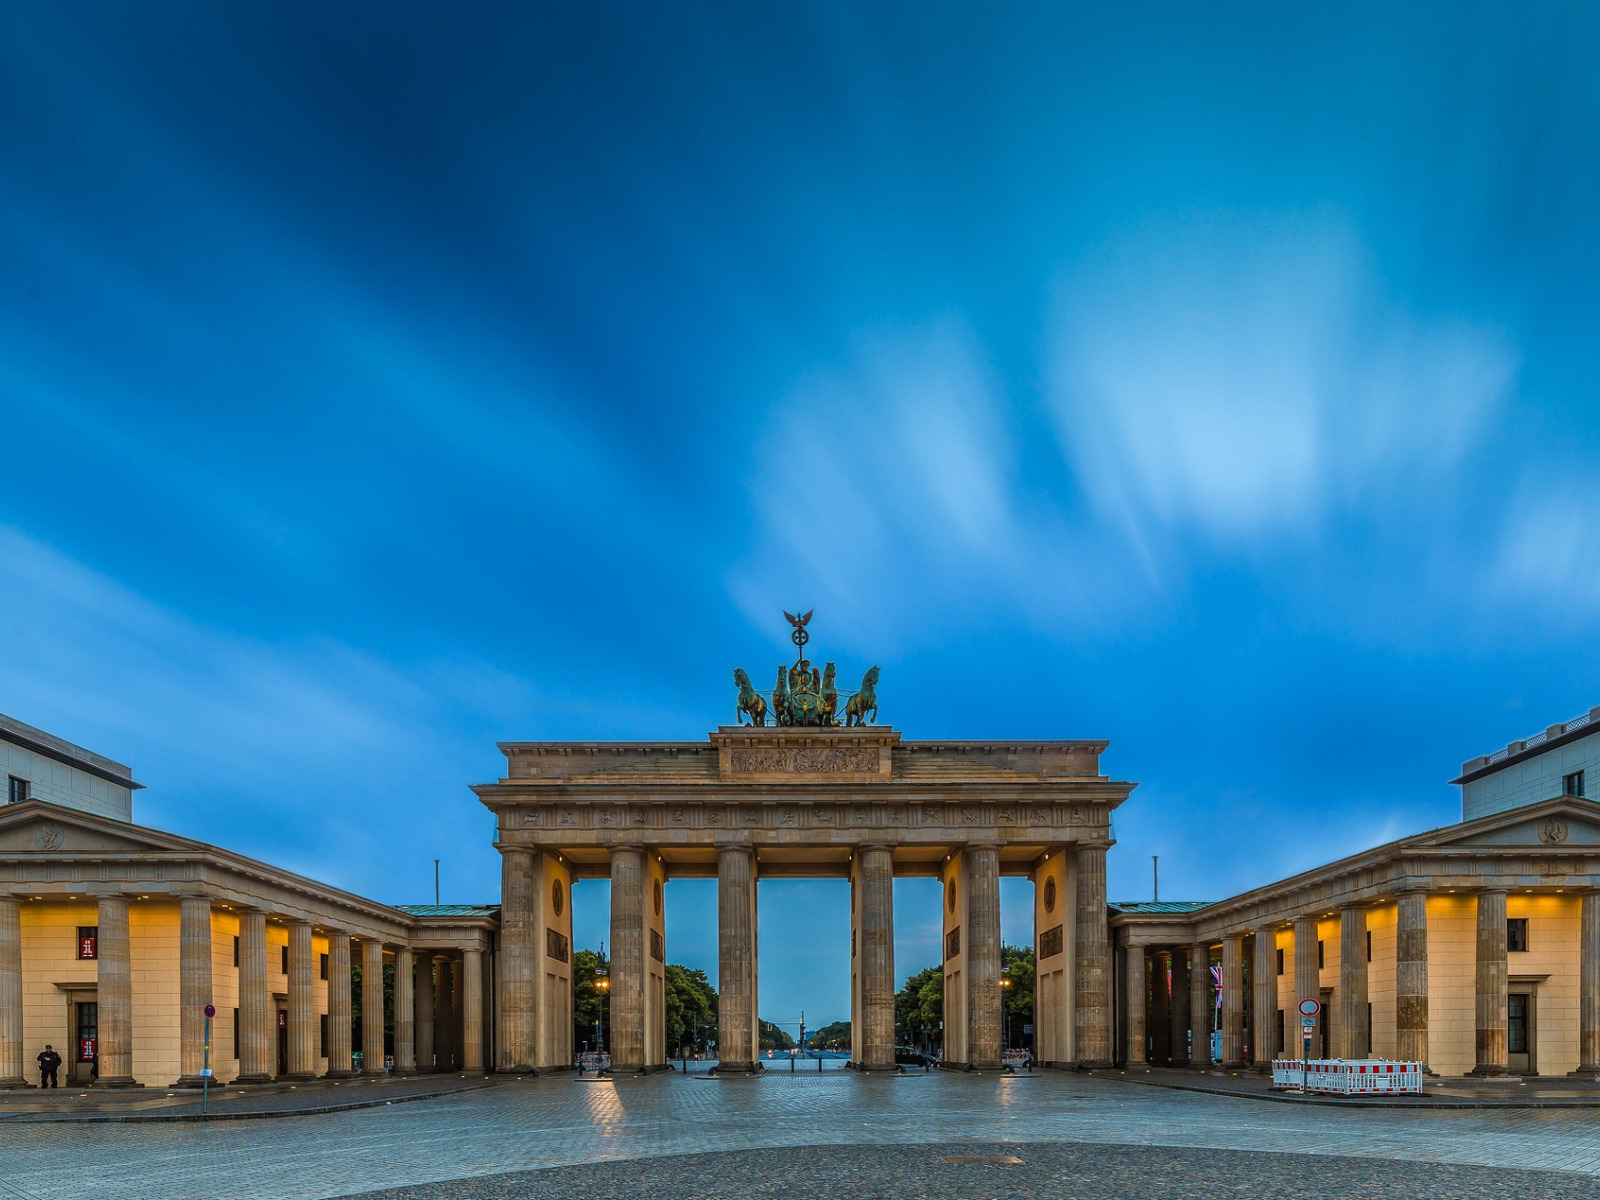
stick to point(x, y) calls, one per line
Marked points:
point(602, 984)
point(1005, 1017)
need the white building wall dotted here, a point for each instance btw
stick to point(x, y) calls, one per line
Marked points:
point(57, 783)
point(1533, 779)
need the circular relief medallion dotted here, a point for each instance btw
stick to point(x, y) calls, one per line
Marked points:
point(1050, 894)
point(950, 895)
point(657, 891)
point(48, 836)
point(558, 898)
point(1553, 832)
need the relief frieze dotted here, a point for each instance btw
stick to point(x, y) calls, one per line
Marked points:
point(782, 760)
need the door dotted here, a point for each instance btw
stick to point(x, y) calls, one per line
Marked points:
point(85, 1042)
point(1520, 1033)
point(283, 1042)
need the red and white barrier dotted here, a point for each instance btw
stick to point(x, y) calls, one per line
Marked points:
point(1361, 1077)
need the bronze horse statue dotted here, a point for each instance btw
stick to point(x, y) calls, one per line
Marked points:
point(864, 701)
point(751, 702)
point(780, 698)
point(830, 696)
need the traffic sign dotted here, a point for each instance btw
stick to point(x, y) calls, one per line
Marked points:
point(1308, 1022)
point(211, 1010)
point(1310, 1008)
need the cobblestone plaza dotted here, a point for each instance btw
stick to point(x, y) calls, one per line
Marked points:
point(1077, 1135)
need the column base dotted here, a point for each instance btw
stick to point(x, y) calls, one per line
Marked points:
point(14, 1083)
point(1580, 1073)
point(196, 1081)
point(337, 1075)
point(252, 1080)
point(1093, 1064)
point(297, 1077)
point(1235, 1066)
point(404, 1072)
point(1487, 1072)
point(117, 1081)
point(736, 1068)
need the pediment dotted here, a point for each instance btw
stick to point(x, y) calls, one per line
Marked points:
point(1551, 825)
point(34, 827)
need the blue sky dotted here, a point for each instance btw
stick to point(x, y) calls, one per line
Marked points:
point(378, 382)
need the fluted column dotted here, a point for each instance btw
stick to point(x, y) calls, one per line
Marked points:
point(1411, 978)
point(875, 876)
point(444, 1012)
point(405, 1017)
point(194, 987)
point(11, 1062)
point(255, 1002)
point(1307, 977)
point(1491, 984)
point(372, 1015)
point(1589, 986)
point(1202, 1004)
point(424, 1014)
point(1233, 1000)
point(1158, 1020)
point(983, 956)
point(1092, 965)
point(517, 962)
point(736, 968)
point(339, 1063)
point(1265, 989)
point(1178, 1020)
point(302, 1004)
point(628, 969)
point(472, 1010)
point(1352, 983)
point(115, 995)
point(1136, 988)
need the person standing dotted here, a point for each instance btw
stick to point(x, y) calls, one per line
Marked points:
point(49, 1064)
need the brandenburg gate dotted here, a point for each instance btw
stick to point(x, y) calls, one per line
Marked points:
point(821, 793)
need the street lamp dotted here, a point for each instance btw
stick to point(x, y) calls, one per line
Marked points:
point(1005, 1019)
point(602, 984)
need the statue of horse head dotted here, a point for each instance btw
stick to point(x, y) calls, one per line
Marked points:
point(870, 679)
point(740, 678)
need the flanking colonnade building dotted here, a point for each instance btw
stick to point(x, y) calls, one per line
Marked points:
point(1475, 948)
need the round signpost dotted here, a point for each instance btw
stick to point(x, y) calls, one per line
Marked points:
point(1309, 1010)
point(205, 1071)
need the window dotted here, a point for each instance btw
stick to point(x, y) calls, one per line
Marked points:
point(236, 950)
point(1369, 945)
point(17, 791)
point(324, 1051)
point(1280, 963)
point(236, 1029)
point(88, 941)
point(1320, 962)
point(324, 973)
point(1517, 933)
point(1572, 785)
point(285, 950)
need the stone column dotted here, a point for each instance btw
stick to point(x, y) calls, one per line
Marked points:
point(1265, 1014)
point(405, 1017)
point(628, 970)
point(1158, 1019)
point(1491, 984)
point(339, 1065)
point(517, 962)
point(424, 1014)
point(256, 1034)
point(1589, 986)
point(372, 1015)
point(444, 1012)
point(1178, 1024)
point(1202, 1004)
point(115, 995)
point(875, 951)
point(194, 987)
point(1092, 967)
point(1307, 977)
point(472, 1010)
point(302, 1004)
point(983, 956)
point(1233, 1001)
point(1136, 989)
point(1352, 1041)
point(737, 1046)
point(11, 1075)
point(1411, 978)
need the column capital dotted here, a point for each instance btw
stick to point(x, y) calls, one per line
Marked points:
point(889, 846)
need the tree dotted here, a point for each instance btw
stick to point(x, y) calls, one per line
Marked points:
point(830, 1037)
point(691, 1009)
point(588, 1006)
point(919, 1008)
point(1017, 1007)
point(773, 1038)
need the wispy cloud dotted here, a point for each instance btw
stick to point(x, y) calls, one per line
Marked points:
point(1244, 378)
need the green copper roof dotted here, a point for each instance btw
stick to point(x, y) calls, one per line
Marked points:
point(1158, 906)
point(450, 910)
